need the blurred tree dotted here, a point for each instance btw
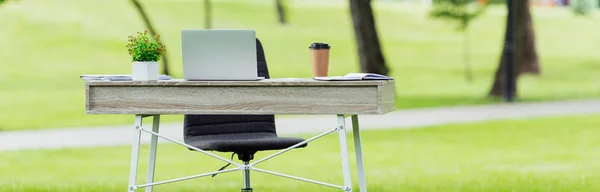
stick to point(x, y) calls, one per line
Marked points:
point(207, 14)
point(526, 59)
point(369, 48)
point(463, 11)
point(281, 11)
point(584, 7)
point(148, 23)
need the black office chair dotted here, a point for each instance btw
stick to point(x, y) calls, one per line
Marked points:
point(243, 135)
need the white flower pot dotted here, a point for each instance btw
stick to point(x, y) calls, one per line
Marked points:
point(144, 71)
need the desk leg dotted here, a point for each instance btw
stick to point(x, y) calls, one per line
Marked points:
point(362, 181)
point(135, 152)
point(152, 156)
point(344, 151)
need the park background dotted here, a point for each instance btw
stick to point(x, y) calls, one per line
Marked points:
point(45, 45)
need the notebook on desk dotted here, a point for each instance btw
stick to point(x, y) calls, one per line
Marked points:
point(355, 77)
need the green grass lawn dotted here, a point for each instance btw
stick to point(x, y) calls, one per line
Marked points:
point(46, 44)
point(547, 154)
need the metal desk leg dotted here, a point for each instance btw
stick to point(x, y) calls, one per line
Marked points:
point(344, 151)
point(152, 156)
point(362, 181)
point(135, 152)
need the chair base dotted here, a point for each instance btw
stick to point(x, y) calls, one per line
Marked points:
point(246, 157)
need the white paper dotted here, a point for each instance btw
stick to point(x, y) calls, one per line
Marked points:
point(116, 77)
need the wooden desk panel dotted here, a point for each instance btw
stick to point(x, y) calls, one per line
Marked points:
point(271, 96)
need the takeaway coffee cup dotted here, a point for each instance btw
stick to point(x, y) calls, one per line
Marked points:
point(319, 53)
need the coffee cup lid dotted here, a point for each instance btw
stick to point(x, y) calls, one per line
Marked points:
point(319, 46)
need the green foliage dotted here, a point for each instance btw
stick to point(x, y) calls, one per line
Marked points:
point(463, 11)
point(3, 1)
point(584, 7)
point(496, 2)
point(145, 48)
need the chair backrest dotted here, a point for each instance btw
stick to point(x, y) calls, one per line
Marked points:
point(196, 125)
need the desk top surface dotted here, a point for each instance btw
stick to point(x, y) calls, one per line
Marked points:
point(264, 82)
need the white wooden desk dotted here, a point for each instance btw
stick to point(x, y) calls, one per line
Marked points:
point(270, 96)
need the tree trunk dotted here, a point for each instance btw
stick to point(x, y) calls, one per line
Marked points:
point(281, 12)
point(467, 58)
point(526, 54)
point(148, 23)
point(207, 14)
point(526, 59)
point(369, 48)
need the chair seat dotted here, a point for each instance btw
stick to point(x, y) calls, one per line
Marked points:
point(243, 142)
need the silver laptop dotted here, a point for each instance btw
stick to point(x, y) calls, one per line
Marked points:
point(219, 54)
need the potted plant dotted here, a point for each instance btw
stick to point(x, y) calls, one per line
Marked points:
point(145, 51)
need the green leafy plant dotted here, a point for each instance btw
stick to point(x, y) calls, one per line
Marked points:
point(584, 7)
point(144, 48)
point(462, 11)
